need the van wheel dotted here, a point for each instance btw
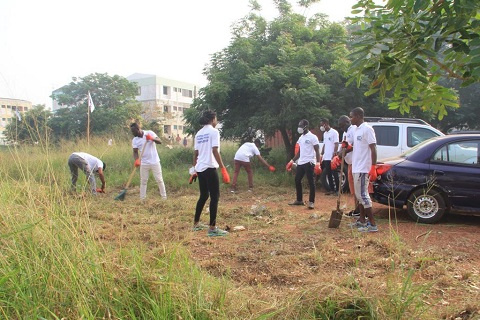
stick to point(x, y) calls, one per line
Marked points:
point(426, 206)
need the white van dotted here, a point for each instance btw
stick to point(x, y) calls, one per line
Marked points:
point(397, 135)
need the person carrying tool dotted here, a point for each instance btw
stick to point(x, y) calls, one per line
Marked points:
point(89, 165)
point(242, 159)
point(364, 160)
point(206, 160)
point(329, 150)
point(307, 155)
point(150, 160)
point(348, 131)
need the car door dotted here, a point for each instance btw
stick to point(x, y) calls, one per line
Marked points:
point(455, 167)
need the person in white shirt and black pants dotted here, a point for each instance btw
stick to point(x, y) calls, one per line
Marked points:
point(206, 160)
point(329, 150)
point(308, 163)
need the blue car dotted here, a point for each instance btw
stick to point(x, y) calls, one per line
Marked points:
point(439, 176)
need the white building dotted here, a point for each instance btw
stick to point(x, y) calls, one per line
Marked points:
point(164, 100)
point(11, 110)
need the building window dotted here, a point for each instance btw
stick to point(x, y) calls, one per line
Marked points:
point(187, 93)
point(165, 108)
point(174, 108)
point(165, 90)
point(180, 127)
point(9, 107)
point(25, 108)
point(174, 127)
point(3, 106)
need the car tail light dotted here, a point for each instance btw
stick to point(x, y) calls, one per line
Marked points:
point(383, 168)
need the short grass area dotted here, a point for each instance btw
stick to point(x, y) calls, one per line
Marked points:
point(77, 256)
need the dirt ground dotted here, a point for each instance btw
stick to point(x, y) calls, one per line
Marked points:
point(288, 250)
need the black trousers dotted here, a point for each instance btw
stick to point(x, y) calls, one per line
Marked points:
point(332, 176)
point(209, 186)
point(302, 170)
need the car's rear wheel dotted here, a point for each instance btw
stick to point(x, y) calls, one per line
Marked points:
point(426, 206)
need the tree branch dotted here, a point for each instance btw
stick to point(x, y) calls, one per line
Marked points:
point(450, 72)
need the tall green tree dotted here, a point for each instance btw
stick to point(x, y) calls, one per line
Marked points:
point(114, 99)
point(32, 128)
point(275, 73)
point(407, 46)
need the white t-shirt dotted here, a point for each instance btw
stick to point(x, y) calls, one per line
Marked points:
point(93, 162)
point(363, 137)
point(348, 136)
point(150, 155)
point(205, 139)
point(307, 152)
point(246, 151)
point(329, 139)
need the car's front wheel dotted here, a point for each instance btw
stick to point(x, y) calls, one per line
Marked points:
point(426, 206)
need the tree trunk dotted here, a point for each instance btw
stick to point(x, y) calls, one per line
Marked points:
point(288, 144)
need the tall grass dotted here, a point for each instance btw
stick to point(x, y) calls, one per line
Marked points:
point(54, 265)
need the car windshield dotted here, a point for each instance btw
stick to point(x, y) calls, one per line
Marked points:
point(417, 147)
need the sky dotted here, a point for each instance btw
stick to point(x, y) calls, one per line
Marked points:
point(43, 44)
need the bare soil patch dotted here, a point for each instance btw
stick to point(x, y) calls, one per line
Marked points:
point(289, 250)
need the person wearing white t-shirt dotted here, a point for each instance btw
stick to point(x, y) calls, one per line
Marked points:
point(364, 159)
point(242, 160)
point(348, 128)
point(206, 160)
point(308, 163)
point(329, 150)
point(90, 165)
point(150, 160)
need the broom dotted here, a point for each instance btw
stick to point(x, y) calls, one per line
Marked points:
point(336, 216)
point(121, 195)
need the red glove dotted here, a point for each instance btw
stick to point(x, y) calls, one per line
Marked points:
point(225, 176)
point(289, 165)
point(335, 163)
point(271, 168)
point(100, 190)
point(317, 170)
point(137, 162)
point(373, 173)
point(149, 137)
point(193, 178)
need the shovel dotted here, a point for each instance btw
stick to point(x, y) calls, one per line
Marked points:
point(121, 195)
point(336, 216)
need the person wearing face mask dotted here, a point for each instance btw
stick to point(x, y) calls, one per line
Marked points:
point(308, 162)
point(329, 150)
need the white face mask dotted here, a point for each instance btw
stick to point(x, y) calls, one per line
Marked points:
point(322, 128)
point(300, 130)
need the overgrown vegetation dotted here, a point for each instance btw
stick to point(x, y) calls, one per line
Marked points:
point(78, 256)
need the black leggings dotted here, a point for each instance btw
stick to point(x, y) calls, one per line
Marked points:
point(305, 169)
point(209, 185)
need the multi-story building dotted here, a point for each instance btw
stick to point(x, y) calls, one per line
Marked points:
point(11, 110)
point(164, 100)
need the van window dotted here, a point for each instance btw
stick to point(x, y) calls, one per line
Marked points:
point(416, 135)
point(386, 135)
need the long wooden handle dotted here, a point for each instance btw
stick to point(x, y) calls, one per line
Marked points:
point(341, 172)
point(135, 168)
